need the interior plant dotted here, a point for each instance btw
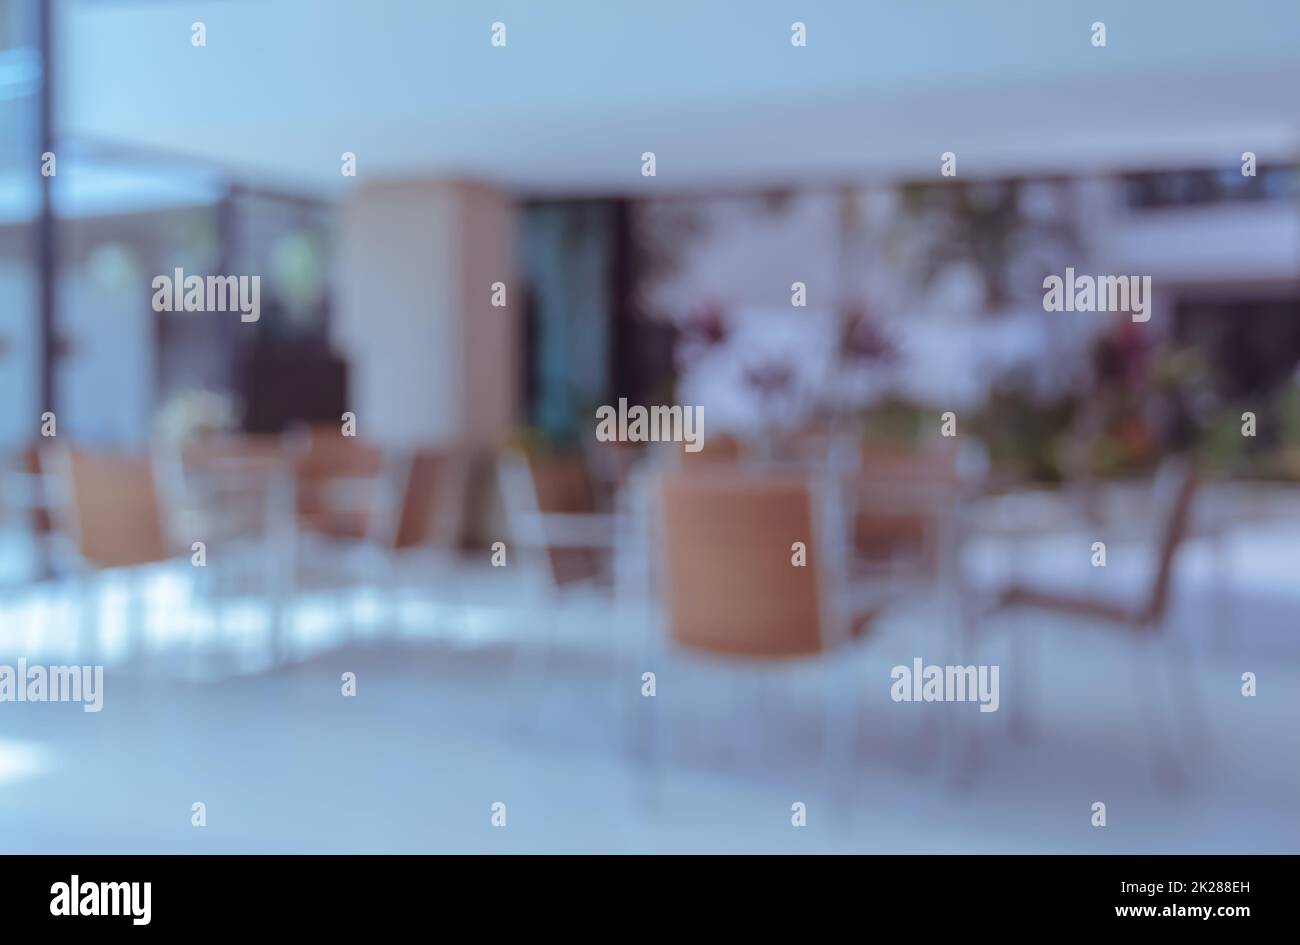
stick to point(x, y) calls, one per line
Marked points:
point(1026, 434)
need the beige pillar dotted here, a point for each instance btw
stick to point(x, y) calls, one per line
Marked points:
point(431, 360)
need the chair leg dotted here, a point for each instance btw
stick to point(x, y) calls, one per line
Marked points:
point(655, 657)
point(627, 671)
point(1222, 588)
point(738, 710)
point(461, 608)
point(1182, 676)
point(531, 662)
point(88, 625)
point(212, 586)
point(1167, 769)
point(396, 597)
point(279, 586)
point(652, 753)
point(927, 740)
point(963, 749)
point(382, 580)
point(1024, 651)
point(838, 735)
point(193, 623)
point(216, 593)
point(137, 613)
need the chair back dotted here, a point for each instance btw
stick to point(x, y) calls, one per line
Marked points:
point(325, 460)
point(900, 498)
point(731, 583)
point(610, 462)
point(922, 466)
point(536, 485)
point(431, 497)
point(561, 483)
point(41, 521)
point(721, 448)
point(116, 520)
point(222, 484)
point(330, 455)
point(1175, 490)
point(208, 453)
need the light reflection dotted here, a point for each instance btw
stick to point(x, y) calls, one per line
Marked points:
point(20, 759)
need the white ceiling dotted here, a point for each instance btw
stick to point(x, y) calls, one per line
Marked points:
point(714, 87)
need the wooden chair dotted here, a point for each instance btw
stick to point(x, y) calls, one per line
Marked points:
point(733, 590)
point(114, 519)
point(115, 515)
point(221, 486)
point(719, 448)
point(903, 501)
point(236, 493)
point(550, 508)
point(432, 500)
point(1143, 620)
point(376, 514)
point(564, 545)
point(42, 521)
point(609, 466)
point(731, 585)
point(301, 509)
point(412, 542)
point(25, 493)
point(338, 483)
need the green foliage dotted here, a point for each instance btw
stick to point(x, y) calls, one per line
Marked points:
point(1220, 445)
point(895, 422)
point(1289, 415)
point(1026, 435)
point(982, 223)
point(532, 441)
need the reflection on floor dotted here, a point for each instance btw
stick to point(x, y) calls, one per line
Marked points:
point(443, 725)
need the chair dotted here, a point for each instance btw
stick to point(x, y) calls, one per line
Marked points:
point(432, 500)
point(731, 586)
point(235, 492)
point(609, 466)
point(908, 522)
point(337, 478)
point(903, 500)
point(564, 545)
point(221, 488)
point(417, 535)
point(1143, 620)
point(26, 491)
point(113, 517)
point(719, 448)
point(312, 501)
point(551, 514)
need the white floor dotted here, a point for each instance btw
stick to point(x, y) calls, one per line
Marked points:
point(443, 726)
